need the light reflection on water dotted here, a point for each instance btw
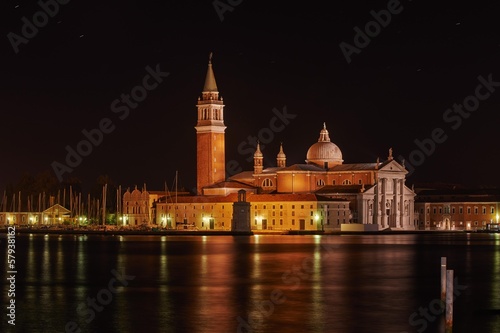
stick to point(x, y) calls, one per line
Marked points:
point(355, 283)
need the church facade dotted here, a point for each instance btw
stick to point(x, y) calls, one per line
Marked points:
point(321, 194)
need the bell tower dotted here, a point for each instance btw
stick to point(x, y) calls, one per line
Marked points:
point(210, 139)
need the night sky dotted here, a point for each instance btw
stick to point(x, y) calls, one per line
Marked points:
point(386, 89)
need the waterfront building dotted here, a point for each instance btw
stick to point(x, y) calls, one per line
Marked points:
point(139, 206)
point(457, 208)
point(54, 215)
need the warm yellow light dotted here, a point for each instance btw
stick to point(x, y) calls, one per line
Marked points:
point(316, 217)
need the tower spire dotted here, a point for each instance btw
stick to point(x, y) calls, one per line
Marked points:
point(210, 84)
point(257, 160)
point(281, 158)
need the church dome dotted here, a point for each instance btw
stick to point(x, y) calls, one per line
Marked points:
point(324, 152)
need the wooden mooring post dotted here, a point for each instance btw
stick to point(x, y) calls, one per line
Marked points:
point(449, 301)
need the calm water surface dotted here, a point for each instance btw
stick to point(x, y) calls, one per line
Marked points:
point(272, 283)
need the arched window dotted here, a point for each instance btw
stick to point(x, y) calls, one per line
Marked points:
point(320, 182)
point(346, 182)
point(267, 183)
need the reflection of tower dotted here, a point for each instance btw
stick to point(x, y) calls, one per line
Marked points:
point(210, 141)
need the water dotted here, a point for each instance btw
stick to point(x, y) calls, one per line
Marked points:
point(274, 283)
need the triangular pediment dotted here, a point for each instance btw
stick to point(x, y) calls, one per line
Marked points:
point(392, 166)
point(57, 208)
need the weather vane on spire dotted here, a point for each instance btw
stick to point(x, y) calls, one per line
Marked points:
point(210, 57)
point(324, 125)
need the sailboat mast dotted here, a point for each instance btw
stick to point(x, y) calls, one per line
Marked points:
point(104, 191)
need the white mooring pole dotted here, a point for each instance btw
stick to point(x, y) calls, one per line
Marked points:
point(443, 279)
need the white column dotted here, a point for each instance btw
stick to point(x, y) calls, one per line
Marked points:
point(383, 201)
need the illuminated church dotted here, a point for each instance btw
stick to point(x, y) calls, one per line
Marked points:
point(321, 194)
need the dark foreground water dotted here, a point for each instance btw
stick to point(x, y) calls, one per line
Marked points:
point(351, 283)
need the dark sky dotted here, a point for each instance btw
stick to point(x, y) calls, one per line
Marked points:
point(267, 55)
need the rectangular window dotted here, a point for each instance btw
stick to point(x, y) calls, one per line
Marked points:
point(301, 206)
point(434, 210)
point(460, 210)
point(484, 210)
point(311, 222)
point(475, 210)
point(453, 210)
point(293, 221)
point(440, 210)
point(468, 210)
point(293, 206)
point(293, 213)
point(274, 207)
point(492, 210)
point(281, 206)
point(312, 213)
point(264, 207)
point(274, 221)
point(281, 221)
